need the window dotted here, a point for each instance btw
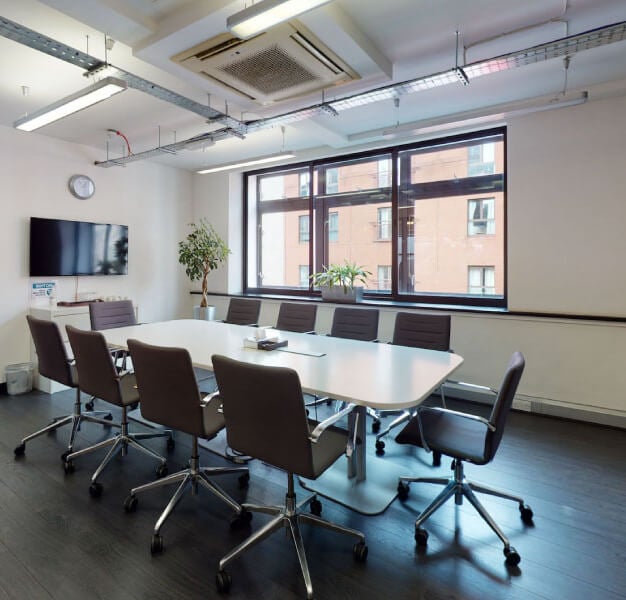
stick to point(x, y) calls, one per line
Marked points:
point(481, 159)
point(384, 277)
point(480, 216)
point(426, 219)
point(333, 226)
point(332, 181)
point(481, 280)
point(304, 276)
point(384, 224)
point(303, 228)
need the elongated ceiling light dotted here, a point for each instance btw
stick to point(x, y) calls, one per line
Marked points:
point(247, 163)
point(101, 90)
point(267, 13)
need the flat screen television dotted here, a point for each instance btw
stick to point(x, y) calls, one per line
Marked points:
point(59, 247)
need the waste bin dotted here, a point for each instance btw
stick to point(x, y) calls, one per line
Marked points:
point(19, 378)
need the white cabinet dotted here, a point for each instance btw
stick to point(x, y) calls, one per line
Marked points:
point(78, 316)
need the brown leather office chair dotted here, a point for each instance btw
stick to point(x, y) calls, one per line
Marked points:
point(54, 363)
point(98, 376)
point(266, 419)
point(355, 323)
point(467, 437)
point(296, 317)
point(416, 330)
point(169, 396)
point(243, 311)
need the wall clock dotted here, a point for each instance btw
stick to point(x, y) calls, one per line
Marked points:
point(81, 186)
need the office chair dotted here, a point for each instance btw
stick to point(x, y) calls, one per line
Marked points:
point(98, 376)
point(466, 437)
point(355, 323)
point(243, 311)
point(299, 318)
point(265, 418)
point(54, 364)
point(429, 331)
point(169, 396)
point(109, 315)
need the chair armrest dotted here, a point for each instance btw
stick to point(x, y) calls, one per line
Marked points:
point(209, 398)
point(455, 413)
point(475, 386)
point(323, 425)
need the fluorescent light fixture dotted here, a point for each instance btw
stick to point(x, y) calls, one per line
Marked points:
point(247, 163)
point(101, 90)
point(265, 14)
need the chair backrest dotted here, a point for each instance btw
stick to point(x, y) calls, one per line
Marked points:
point(355, 323)
point(52, 358)
point(503, 403)
point(265, 414)
point(243, 311)
point(422, 331)
point(168, 390)
point(296, 317)
point(108, 315)
point(96, 372)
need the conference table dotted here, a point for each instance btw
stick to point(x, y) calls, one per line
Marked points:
point(367, 374)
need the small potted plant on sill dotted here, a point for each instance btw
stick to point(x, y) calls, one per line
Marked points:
point(201, 252)
point(339, 282)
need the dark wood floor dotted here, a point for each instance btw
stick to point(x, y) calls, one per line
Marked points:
point(56, 542)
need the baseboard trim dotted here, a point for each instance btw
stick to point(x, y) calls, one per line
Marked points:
point(544, 406)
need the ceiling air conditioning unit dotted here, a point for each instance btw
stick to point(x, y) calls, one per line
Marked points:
point(284, 63)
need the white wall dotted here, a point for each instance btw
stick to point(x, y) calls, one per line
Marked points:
point(154, 201)
point(566, 248)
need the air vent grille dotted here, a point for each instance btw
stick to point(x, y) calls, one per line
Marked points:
point(269, 71)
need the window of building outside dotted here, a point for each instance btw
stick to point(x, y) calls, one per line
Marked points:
point(384, 277)
point(303, 228)
point(481, 280)
point(384, 224)
point(304, 275)
point(443, 220)
point(480, 216)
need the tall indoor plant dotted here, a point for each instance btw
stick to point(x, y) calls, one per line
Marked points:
point(201, 252)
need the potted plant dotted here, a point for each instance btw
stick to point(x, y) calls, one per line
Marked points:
point(339, 282)
point(201, 252)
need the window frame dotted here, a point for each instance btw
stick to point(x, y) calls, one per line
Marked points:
point(498, 182)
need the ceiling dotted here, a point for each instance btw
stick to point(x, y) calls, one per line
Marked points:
point(382, 42)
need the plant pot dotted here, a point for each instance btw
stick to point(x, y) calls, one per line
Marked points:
point(204, 313)
point(337, 293)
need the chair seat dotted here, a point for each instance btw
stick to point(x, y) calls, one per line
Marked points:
point(128, 388)
point(450, 434)
point(212, 419)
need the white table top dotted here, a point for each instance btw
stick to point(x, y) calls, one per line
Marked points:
point(377, 375)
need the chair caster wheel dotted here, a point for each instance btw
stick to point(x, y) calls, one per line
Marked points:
point(68, 467)
point(359, 551)
point(20, 450)
point(512, 557)
point(161, 471)
point(421, 537)
point(403, 490)
point(223, 581)
point(95, 489)
point(436, 459)
point(65, 455)
point(156, 544)
point(526, 513)
point(130, 504)
point(376, 426)
point(89, 405)
point(244, 481)
point(316, 507)
point(241, 519)
point(380, 447)
point(171, 444)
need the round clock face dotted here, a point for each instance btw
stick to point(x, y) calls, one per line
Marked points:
point(81, 186)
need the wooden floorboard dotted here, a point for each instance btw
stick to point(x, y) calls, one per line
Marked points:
point(58, 543)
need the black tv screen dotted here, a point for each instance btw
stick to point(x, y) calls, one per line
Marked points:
point(59, 247)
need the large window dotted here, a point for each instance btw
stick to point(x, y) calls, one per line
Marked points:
point(444, 218)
